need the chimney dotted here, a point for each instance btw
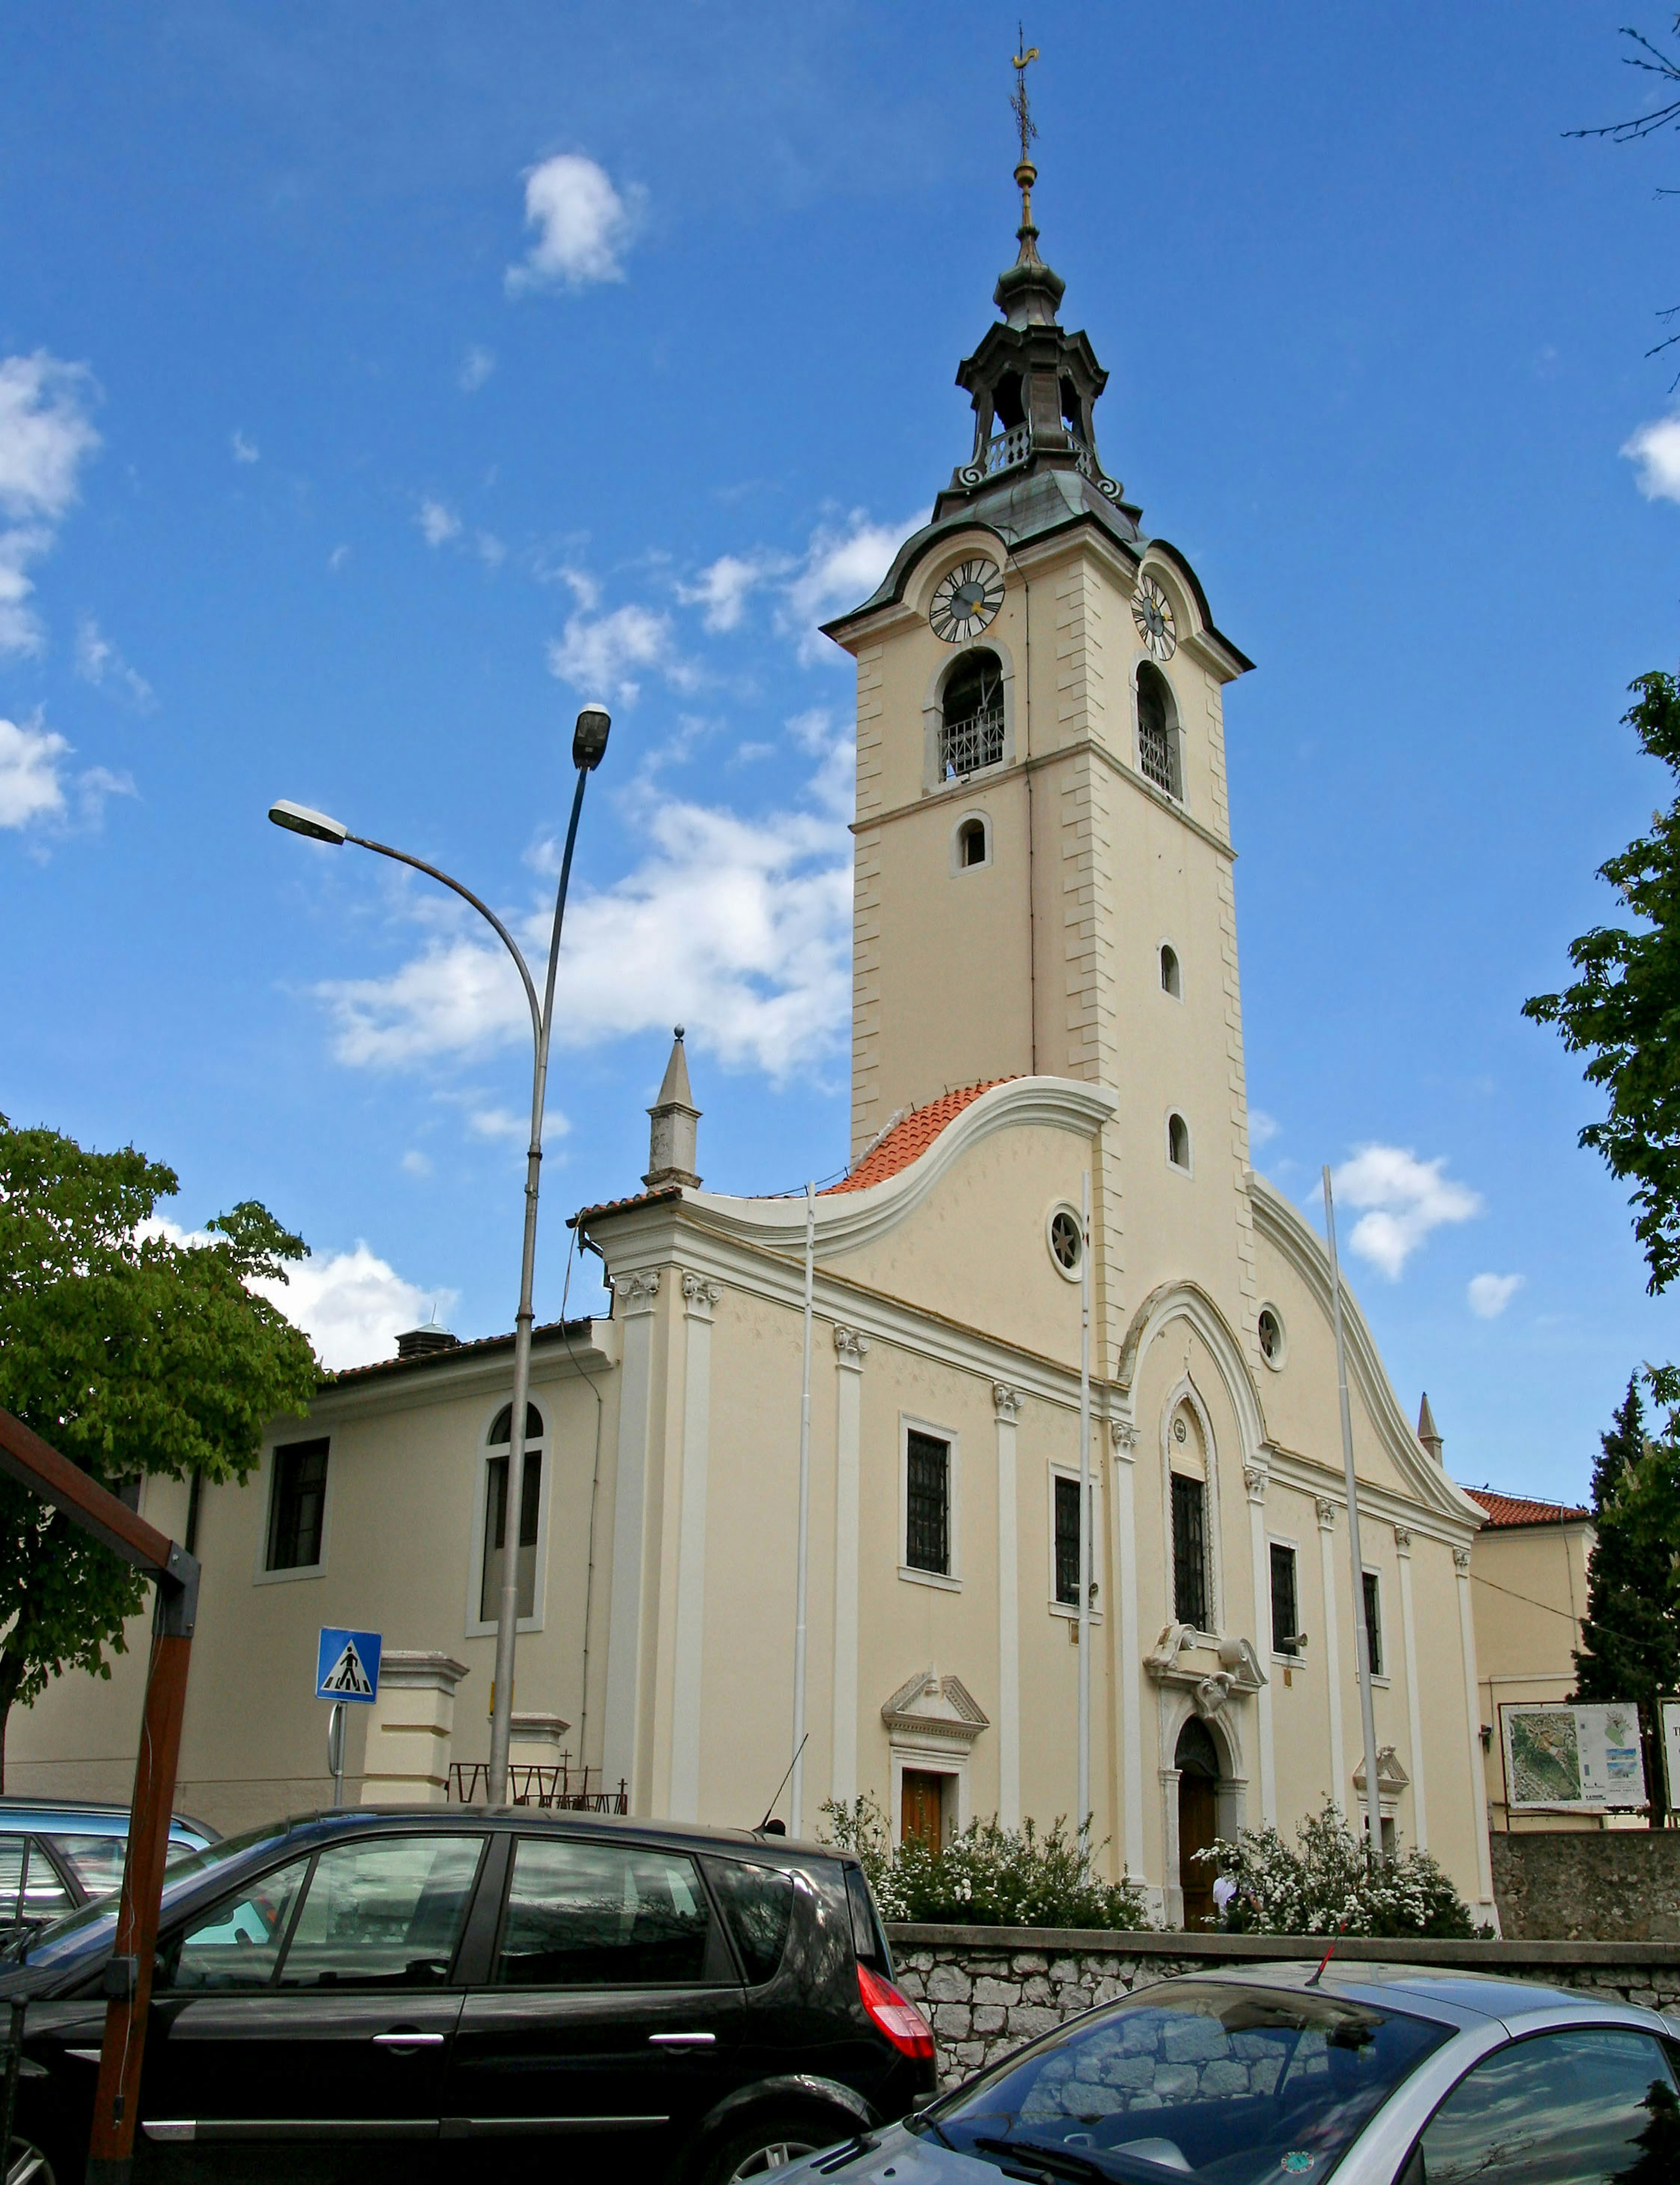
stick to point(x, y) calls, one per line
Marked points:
point(422, 1342)
point(1427, 1431)
point(672, 1141)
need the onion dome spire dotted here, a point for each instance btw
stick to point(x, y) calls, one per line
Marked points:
point(1029, 293)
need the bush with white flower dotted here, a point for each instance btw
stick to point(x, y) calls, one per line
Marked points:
point(1332, 1885)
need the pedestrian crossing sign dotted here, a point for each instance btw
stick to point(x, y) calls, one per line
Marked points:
point(346, 1665)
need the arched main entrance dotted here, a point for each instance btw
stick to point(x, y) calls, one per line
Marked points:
point(1197, 1762)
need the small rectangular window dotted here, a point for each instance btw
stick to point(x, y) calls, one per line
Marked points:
point(297, 1505)
point(1374, 1623)
point(1067, 1542)
point(495, 1534)
point(1286, 1608)
point(927, 1544)
point(1190, 1551)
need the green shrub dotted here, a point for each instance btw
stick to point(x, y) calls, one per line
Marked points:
point(1331, 1885)
point(987, 1876)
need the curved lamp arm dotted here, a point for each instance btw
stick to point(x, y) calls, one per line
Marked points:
point(485, 911)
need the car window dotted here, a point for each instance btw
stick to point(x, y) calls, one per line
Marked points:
point(1240, 2082)
point(96, 1861)
point(89, 1928)
point(236, 1943)
point(1587, 2107)
point(601, 1916)
point(11, 1877)
point(758, 1907)
point(386, 1911)
point(45, 1895)
point(867, 1937)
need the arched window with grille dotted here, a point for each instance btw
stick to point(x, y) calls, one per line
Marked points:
point(1157, 734)
point(498, 1454)
point(971, 717)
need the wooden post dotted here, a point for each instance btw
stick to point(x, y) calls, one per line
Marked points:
point(33, 1463)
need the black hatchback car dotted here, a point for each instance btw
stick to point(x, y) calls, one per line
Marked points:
point(453, 1991)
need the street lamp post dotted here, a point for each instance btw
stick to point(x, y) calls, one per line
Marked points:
point(589, 748)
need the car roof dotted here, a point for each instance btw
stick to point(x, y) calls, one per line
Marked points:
point(1453, 1996)
point(686, 1835)
point(87, 1817)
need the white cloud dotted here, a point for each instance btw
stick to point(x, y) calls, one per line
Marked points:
point(99, 661)
point(30, 783)
point(1656, 448)
point(599, 657)
point(45, 437)
point(584, 225)
point(337, 559)
point(1489, 1294)
point(414, 1163)
point(495, 1123)
point(476, 367)
point(489, 550)
point(245, 451)
point(437, 523)
point(1261, 1128)
point(723, 588)
point(841, 567)
point(1405, 1198)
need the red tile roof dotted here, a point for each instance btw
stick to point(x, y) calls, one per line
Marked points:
point(1522, 1510)
point(911, 1138)
point(562, 1330)
point(586, 1214)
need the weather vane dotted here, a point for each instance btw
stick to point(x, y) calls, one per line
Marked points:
point(1025, 174)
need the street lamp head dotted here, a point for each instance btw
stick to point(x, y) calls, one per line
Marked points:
point(301, 821)
point(588, 742)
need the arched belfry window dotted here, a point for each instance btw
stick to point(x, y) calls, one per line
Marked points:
point(1158, 752)
point(971, 719)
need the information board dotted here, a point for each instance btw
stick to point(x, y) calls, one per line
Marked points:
point(1559, 1755)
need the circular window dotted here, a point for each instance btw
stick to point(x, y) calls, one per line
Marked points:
point(1273, 1347)
point(1066, 1240)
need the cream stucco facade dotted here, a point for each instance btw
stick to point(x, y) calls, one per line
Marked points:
point(1016, 1032)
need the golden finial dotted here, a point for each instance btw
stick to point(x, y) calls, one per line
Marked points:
point(1025, 174)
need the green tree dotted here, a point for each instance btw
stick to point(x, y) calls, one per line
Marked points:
point(130, 1354)
point(1630, 1635)
point(1623, 1010)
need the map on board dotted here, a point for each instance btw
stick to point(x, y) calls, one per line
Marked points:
point(1587, 1755)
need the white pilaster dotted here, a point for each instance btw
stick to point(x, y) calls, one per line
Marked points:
point(699, 1298)
point(1403, 1549)
point(1332, 1655)
point(1129, 1670)
point(636, 1295)
point(849, 1349)
point(1478, 1781)
point(1254, 1478)
point(1008, 1402)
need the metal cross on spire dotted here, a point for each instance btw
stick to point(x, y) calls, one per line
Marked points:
point(1025, 173)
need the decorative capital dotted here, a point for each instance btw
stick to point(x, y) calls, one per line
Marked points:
point(1461, 1561)
point(1009, 1402)
point(1327, 1510)
point(1255, 1478)
point(1403, 1539)
point(636, 1293)
point(1123, 1433)
point(848, 1348)
point(699, 1295)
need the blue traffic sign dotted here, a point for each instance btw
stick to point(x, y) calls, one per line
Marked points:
point(346, 1665)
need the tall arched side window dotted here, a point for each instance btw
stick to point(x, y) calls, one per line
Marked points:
point(497, 1443)
point(1172, 980)
point(1158, 752)
point(971, 719)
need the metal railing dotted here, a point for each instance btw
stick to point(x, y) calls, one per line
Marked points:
point(1007, 448)
point(966, 746)
point(1155, 755)
point(559, 1787)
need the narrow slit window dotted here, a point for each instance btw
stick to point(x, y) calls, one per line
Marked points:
point(927, 1527)
point(1171, 980)
point(1178, 1142)
point(1068, 1543)
point(1286, 1606)
point(1373, 1622)
point(1190, 1552)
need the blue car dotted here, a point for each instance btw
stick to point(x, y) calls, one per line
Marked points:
point(56, 1855)
point(1374, 2074)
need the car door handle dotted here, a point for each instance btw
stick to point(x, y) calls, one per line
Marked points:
point(682, 2040)
point(407, 2040)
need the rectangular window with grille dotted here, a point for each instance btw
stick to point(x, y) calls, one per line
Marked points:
point(1067, 1542)
point(1190, 1552)
point(297, 1506)
point(1374, 1622)
point(927, 1498)
point(1286, 1604)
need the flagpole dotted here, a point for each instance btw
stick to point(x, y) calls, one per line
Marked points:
point(1361, 1635)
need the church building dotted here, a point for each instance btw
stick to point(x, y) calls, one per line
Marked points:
point(1047, 1015)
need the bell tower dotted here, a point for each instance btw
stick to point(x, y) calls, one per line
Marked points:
point(1043, 856)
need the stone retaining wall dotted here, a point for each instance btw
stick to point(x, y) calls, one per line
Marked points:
point(988, 1989)
point(1615, 1885)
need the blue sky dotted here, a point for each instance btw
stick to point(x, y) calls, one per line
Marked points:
point(375, 385)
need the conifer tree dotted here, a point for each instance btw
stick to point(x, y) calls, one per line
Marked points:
point(1630, 1635)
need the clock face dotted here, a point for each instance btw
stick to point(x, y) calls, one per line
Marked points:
point(1153, 612)
point(966, 600)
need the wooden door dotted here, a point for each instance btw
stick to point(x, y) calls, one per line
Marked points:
point(922, 1808)
point(1197, 1826)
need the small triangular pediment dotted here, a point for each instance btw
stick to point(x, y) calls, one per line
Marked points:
point(930, 1706)
point(1391, 1776)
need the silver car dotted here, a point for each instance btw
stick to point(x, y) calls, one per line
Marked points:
point(1379, 2074)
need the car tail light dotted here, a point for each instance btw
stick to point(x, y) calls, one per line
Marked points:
point(894, 2015)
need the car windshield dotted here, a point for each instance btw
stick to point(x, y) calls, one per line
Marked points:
point(1216, 2081)
point(92, 1926)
